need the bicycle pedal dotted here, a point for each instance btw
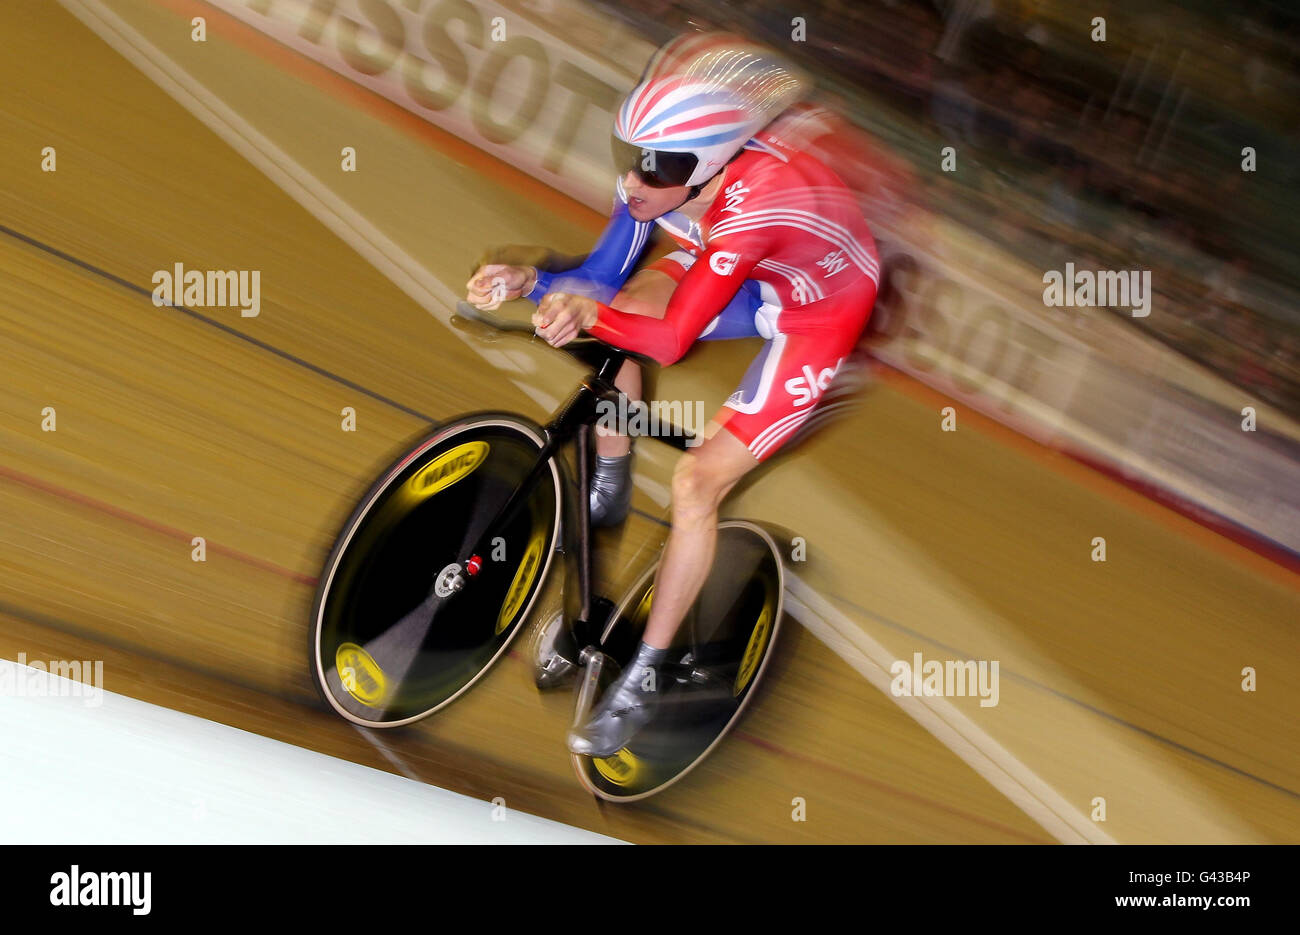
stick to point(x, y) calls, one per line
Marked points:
point(552, 668)
point(556, 672)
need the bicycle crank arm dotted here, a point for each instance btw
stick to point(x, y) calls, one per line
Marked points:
point(588, 686)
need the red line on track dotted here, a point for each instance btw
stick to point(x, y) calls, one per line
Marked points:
point(362, 98)
point(152, 525)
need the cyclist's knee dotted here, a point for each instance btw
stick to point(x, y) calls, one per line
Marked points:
point(697, 490)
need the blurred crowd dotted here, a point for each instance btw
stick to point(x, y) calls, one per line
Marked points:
point(1118, 154)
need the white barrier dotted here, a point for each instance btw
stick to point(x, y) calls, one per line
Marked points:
point(502, 76)
point(1082, 380)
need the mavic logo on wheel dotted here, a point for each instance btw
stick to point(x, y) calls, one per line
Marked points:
point(523, 580)
point(808, 387)
point(754, 651)
point(360, 674)
point(620, 769)
point(448, 468)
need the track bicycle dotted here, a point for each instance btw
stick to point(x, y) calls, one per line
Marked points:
point(438, 568)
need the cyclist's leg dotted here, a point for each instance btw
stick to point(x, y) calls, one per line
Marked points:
point(648, 293)
point(701, 481)
point(780, 391)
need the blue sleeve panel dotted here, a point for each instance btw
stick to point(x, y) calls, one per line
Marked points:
point(612, 261)
point(608, 265)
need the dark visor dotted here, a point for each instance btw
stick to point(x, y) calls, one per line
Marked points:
point(657, 169)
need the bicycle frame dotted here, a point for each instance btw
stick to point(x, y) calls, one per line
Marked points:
point(571, 422)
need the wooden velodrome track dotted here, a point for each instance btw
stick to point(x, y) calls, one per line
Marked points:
point(1119, 680)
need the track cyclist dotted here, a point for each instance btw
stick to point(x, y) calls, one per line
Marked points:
point(771, 244)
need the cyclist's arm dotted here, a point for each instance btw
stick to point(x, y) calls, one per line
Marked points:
point(608, 265)
point(705, 290)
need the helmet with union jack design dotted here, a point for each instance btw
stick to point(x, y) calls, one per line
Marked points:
point(702, 97)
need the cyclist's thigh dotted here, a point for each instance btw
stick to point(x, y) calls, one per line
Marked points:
point(788, 379)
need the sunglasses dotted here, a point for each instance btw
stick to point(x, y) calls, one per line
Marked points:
point(657, 169)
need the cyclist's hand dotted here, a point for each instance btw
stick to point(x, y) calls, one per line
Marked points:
point(495, 283)
point(560, 317)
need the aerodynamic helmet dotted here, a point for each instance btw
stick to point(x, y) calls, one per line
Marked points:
point(700, 100)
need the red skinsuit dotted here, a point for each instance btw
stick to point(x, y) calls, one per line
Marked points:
point(786, 223)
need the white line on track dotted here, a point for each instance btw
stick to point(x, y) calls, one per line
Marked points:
point(942, 719)
point(840, 634)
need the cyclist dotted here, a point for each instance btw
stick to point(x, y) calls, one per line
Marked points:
point(771, 243)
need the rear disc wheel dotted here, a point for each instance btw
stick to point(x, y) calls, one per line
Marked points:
point(716, 662)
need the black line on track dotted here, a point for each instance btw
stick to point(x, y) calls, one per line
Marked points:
point(1105, 715)
point(204, 319)
point(234, 332)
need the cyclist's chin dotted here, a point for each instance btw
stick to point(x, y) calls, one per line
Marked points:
point(649, 204)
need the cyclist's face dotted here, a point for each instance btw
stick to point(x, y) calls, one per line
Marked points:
point(645, 202)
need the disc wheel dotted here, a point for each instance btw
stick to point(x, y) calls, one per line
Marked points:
point(393, 637)
point(716, 662)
